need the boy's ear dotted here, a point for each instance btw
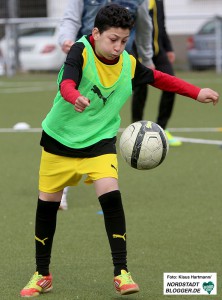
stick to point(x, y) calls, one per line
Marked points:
point(95, 33)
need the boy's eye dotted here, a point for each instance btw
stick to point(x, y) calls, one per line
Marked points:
point(115, 40)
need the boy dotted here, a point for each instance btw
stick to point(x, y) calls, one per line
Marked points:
point(78, 20)
point(79, 135)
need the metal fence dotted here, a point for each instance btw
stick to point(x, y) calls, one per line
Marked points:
point(15, 12)
point(10, 64)
point(23, 8)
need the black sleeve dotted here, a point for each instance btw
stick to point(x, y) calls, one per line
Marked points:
point(143, 75)
point(73, 64)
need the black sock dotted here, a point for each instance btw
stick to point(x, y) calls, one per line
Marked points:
point(44, 231)
point(114, 218)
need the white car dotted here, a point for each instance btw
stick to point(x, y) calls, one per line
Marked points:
point(202, 45)
point(38, 47)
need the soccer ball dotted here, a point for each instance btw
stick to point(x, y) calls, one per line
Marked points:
point(144, 145)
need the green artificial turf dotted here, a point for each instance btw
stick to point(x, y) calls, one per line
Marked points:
point(173, 212)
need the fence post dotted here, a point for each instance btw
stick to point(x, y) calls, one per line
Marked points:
point(12, 61)
point(218, 34)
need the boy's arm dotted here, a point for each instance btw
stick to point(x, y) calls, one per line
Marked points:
point(68, 91)
point(71, 78)
point(72, 95)
point(174, 84)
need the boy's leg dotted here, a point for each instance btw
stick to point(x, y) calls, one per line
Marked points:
point(55, 173)
point(45, 226)
point(115, 225)
point(114, 219)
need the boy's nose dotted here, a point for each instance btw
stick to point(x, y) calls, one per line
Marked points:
point(117, 47)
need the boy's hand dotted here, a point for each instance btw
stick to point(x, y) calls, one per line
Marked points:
point(207, 95)
point(81, 103)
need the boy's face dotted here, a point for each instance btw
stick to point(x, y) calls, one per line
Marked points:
point(111, 43)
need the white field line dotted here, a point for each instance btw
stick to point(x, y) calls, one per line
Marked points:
point(25, 83)
point(216, 79)
point(216, 129)
point(182, 139)
point(199, 141)
point(11, 130)
point(28, 89)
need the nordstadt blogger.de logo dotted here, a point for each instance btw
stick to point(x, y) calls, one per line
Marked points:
point(190, 284)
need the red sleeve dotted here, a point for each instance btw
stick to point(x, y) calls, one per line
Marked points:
point(68, 90)
point(174, 84)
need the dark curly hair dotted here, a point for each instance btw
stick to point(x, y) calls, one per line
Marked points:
point(113, 15)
